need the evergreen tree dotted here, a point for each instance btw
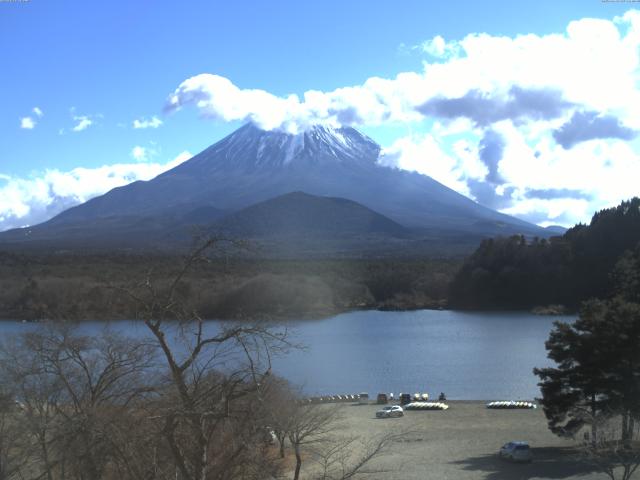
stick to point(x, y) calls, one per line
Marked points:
point(598, 369)
point(519, 273)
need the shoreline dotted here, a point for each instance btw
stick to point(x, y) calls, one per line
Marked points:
point(314, 316)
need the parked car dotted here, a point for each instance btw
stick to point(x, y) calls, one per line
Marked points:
point(391, 411)
point(516, 452)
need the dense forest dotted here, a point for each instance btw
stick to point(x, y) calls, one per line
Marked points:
point(78, 287)
point(503, 273)
point(520, 273)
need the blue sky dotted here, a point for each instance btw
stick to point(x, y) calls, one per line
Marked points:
point(76, 75)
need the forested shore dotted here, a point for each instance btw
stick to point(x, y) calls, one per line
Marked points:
point(522, 274)
point(79, 287)
point(508, 273)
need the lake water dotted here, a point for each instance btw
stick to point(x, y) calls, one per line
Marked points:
point(467, 355)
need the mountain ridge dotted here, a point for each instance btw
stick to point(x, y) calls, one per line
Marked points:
point(250, 166)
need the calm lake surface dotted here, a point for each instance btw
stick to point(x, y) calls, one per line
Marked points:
point(467, 355)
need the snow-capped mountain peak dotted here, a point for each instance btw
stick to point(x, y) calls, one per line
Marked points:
point(253, 165)
point(250, 147)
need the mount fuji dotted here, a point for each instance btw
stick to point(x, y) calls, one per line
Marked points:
point(252, 166)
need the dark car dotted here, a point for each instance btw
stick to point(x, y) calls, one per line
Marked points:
point(516, 452)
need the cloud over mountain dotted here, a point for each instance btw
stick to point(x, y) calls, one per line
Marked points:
point(525, 107)
point(27, 201)
point(485, 78)
point(538, 126)
point(374, 102)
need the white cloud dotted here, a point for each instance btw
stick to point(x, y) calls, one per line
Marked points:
point(139, 153)
point(593, 65)
point(500, 107)
point(153, 122)
point(82, 122)
point(540, 181)
point(144, 154)
point(603, 170)
point(437, 47)
point(556, 211)
point(28, 201)
point(27, 123)
point(375, 102)
point(425, 154)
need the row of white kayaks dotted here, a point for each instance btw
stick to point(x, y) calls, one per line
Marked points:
point(426, 406)
point(332, 399)
point(510, 404)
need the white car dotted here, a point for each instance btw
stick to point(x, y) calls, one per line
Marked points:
point(391, 411)
point(516, 452)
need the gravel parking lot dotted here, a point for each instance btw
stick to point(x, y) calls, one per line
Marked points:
point(462, 442)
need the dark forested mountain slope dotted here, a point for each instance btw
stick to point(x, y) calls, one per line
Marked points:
point(516, 273)
point(298, 214)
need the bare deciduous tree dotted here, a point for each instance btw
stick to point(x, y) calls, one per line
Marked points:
point(74, 391)
point(279, 399)
point(310, 426)
point(189, 400)
point(316, 432)
point(14, 445)
point(616, 450)
point(346, 457)
point(37, 395)
point(214, 374)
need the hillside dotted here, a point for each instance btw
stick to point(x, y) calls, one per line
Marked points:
point(514, 273)
point(301, 214)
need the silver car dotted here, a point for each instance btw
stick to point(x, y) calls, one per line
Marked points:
point(391, 411)
point(516, 452)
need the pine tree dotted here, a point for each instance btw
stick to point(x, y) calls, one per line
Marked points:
point(598, 368)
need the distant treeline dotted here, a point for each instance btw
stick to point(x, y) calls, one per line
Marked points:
point(93, 286)
point(516, 273)
point(503, 273)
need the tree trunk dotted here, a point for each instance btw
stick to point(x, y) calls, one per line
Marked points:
point(45, 456)
point(630, 428)
point(594, 427)
point(625, 428)
point(296, 474)
point(2, 475)
point(281, 442)
point(202, 445)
